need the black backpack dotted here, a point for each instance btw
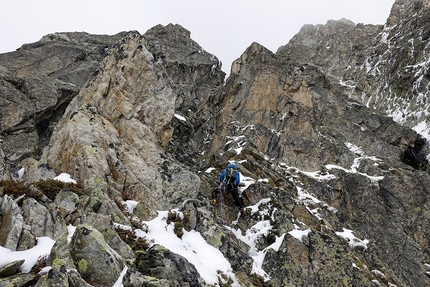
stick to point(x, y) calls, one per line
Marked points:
point(230, 176)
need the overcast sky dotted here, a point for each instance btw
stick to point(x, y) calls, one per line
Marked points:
point(224, 28)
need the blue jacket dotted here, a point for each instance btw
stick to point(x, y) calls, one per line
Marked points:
point(224, 172)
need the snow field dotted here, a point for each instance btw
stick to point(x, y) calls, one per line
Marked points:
point(42, 249)
point(207, 259)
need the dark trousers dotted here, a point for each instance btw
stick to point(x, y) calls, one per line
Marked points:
point(234, 190)
point(237, 200)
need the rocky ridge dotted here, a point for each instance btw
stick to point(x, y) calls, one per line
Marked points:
point(336, 190)
point(383, 67)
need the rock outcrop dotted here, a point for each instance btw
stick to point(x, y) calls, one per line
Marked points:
point(159, 262)
point(93, 256)
point(37, 82)
point(114, 134)
point(336, 191)
point(382, 67)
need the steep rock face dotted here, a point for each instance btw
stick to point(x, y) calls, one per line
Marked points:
point(395, 76)
point(397, 66)
point(116, 130)
point(192, 70)
point(284, 110)
point(36, 83)
point(382, 67)
point(277, 114)
point(41, 219)
point(336, 47)
point(196, 77)
point(11, 223)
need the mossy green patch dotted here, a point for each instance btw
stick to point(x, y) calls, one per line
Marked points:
point(216, 237)
point(57, 263)
point(346, 281)
point(291, 267)
point(110, 233)
point(82, 266)
point(92, 150)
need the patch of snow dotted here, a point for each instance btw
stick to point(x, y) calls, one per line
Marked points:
point(348, 235)
point(310, 201)
point(181, 118)
point(259, 258)
point(118, 282)
point(122, 226)
point(317, 175)
point(355, 165)
point(253, 234)
point(283, 116)
point(213, 68)
point(207, 259)
point(251, 127)
point(65, 177)
point(70, 231)
point(131, 205)
point(373, 179)
point(322, 177)
point(353, 169)
point(255, 208)
point(378, 274)
point(276, 133)
point(355, 149)
point(42, 248)
point(333, 166)
point(427, 266)
point(250, 238)
point(209, 170)
point(298, 234)
point(423, 129)
point(44, 270)
point(238, 150)
point(239, 141)
point(398, 113)
point(348, 84)
point(245, 182)
point(21, 173)
point(277, 244)
point(304, 196)
point(368, 66)
point(358, 151)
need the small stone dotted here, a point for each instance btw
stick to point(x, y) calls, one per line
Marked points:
point(11, 268)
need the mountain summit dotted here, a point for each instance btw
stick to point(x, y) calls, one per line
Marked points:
point(112, 146)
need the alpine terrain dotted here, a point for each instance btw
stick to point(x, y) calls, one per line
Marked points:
point(111, 147)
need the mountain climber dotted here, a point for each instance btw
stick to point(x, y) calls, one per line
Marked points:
point(229, 181)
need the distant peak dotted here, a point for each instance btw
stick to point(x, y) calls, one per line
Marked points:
point(343, 21)
point(174, 29)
